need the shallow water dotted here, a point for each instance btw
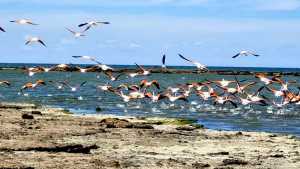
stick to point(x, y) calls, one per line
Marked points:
point(85, 101)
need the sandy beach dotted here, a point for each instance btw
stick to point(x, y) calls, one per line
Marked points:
point(39, 137)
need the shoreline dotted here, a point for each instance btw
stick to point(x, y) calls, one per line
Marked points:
point(43, 137)
point(157, 69)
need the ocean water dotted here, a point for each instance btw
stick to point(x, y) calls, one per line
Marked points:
point(88, 98)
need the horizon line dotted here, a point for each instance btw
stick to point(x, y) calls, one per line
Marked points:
point(259, 67)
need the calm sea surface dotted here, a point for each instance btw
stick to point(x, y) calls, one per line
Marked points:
point(88, 98)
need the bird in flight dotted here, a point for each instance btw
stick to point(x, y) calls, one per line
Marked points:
point(110, 75)
point(245, 53)
point(84, 57)
point(143, 71)
point(31, 85)
point(75, 87)
point(91, 24)
point(197, 64)
point(99, 64)
point(35, 40)
point(76, 34)
point(145, 83)
point(7, 83)
point(23, 22)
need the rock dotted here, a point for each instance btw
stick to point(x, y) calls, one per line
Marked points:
point(108, 163)
point(122, 123)
point(272, 135)
point(183, 141)
point(98, 109)
point(239, 133)
point(130, 164)
point(224, 167)
point(200, 165)
point(115, 147)
point(113, 164)
point(156, 122)
point(219, 153)
point(186, 128)
point(74, 148)
point(36, 112)
point(234, 162)
point(116, 123)
point(27, 116)
point(291, 137)
point(141, 118)
point(142, 126)
point(277, 156)
point(151, 153)
point(17, 106)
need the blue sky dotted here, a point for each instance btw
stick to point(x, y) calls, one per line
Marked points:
point(210, 31)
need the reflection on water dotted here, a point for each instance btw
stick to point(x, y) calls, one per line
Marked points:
point(88, 98)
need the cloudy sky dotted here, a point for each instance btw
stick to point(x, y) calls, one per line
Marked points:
point(210, 31)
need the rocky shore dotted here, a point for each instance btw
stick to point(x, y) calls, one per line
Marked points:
point(158, 69)
point(38, 137)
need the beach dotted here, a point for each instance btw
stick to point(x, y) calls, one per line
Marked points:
point(42, 137)
point(196, 84)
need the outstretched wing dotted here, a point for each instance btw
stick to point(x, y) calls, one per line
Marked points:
point(27, 42)
point(184, 58)
point(5, 82)
point(164, 59)
point(139, 67)
point(83, 24)
point(41, 42)
point(104, 23)
point(232, 103)
point(65, 83)
point(254, 54)
point(119, 75)
point(83, 83)
point(236, 55)
point(31, 23)
point(1, 29)
point(83, 57)
point(87, 28)
point(156, 84)
point(70, 30)
point(77, 56)
point(183, 98)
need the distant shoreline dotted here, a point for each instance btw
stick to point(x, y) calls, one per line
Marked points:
point(178, 69)
point(18, 65)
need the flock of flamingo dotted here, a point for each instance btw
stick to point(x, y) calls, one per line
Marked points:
point(232, 92)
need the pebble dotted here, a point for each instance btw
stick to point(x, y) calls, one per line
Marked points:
point(27, 116)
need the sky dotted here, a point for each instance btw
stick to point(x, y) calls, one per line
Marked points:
point(141, 31)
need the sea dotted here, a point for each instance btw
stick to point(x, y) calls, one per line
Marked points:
point(89, 100)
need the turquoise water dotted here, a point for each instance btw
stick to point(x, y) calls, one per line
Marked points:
point(88, 98)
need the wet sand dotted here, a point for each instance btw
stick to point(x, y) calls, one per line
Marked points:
point(37, 137)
